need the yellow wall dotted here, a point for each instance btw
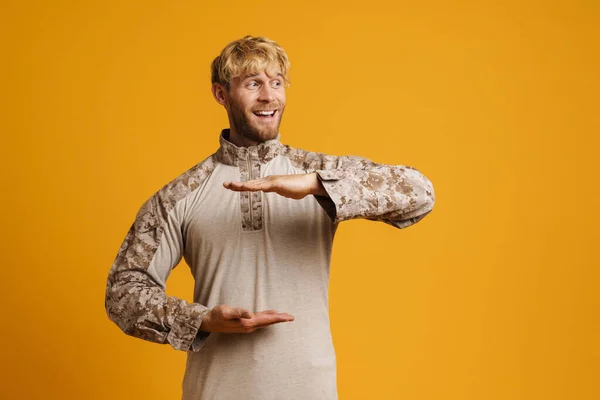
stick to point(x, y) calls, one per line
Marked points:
point(492, 296)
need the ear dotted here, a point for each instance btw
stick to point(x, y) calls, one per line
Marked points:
point(219, 93)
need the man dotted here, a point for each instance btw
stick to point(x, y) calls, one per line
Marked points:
point(255, 222)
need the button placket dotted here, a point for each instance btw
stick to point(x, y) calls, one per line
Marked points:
point(245, 196)
point(250, 202)
point(256, 211)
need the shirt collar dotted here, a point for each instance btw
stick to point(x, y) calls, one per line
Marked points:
point(230, 154)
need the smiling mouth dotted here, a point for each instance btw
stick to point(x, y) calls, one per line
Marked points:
point(265, 114)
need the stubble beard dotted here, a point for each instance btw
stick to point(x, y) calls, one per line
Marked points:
point(247, 128)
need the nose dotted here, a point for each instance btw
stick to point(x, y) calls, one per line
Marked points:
point(266, 93)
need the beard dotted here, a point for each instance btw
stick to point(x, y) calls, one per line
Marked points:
point(247, 124)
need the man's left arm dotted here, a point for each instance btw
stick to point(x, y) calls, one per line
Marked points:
point(349, 187)
point(357, 187)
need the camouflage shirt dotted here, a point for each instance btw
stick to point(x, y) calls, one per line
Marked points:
point(255, 250)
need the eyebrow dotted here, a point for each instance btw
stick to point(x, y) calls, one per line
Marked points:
point(256, 74)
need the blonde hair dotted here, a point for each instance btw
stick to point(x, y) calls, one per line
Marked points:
point(248, 55)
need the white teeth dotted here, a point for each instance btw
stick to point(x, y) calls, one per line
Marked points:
point(265, 112)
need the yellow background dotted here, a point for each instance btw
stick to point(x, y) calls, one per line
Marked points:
point(492, 296)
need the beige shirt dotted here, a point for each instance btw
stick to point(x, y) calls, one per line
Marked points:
point(254, 250)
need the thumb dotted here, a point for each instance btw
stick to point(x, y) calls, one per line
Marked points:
point(234, 313)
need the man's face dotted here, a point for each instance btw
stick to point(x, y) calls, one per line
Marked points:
point(255, 104)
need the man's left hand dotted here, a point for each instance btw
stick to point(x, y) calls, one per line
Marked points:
point(292, 186)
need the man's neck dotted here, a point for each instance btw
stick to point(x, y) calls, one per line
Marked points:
point(239, 140)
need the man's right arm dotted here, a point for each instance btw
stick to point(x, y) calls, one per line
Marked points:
point(135, 291)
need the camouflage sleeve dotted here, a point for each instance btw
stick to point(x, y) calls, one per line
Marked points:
point(135, 291)
point(398, 195)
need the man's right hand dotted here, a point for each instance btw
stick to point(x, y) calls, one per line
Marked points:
point(223, 318)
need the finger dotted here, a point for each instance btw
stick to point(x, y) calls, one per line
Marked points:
point(240, 184)
point(268, 318)
point(266, 325)
point(247, 186)
point(280, 314)
point(266, 184)
point(259, 320)
point(270, 323)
